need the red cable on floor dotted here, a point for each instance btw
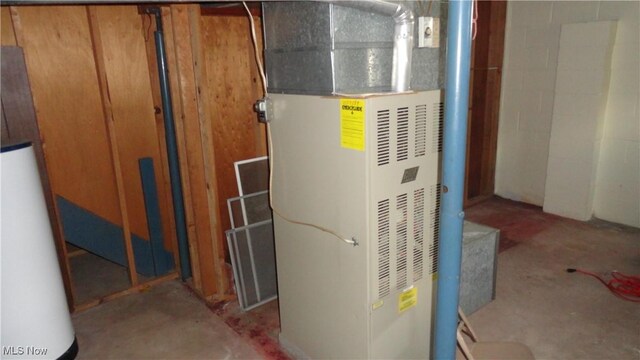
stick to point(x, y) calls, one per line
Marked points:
point(626, 287)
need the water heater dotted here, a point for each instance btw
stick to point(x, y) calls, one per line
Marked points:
point(365, 168)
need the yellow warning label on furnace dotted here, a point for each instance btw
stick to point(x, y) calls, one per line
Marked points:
point(352, 124)
point(407, 299)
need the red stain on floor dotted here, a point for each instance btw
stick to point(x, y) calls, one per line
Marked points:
point(260, 326)
point(517, 222)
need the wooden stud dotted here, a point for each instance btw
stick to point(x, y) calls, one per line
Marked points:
point(183, 150)
point(94, 29)
point(16, 25)
point(7, 34)
point(187, 122)
point(485, 102)
point(208, 150)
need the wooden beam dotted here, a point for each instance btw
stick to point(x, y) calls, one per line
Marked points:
point(94, 28)
point(7, 34)
point(187, 120)
point(208, 150)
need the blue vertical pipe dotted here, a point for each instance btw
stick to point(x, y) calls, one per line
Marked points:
point(452, 216)
point(172, 148)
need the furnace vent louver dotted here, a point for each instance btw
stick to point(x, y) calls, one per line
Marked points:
point(383, 137)
point(434, 224)
point(403, 134)
point(401, 242)
point(418, 234)
point(421, 130)
point(383, 249)
point(438, 120)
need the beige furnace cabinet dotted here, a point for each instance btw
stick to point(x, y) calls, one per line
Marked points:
point(365, 168)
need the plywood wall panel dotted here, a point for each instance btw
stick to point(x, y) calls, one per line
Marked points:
point(7, 35)
point(233, 86)
point(61, 67)
point(127, 74)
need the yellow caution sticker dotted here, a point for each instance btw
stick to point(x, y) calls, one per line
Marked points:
point(407, 299)
point(377, 304)
point(352, 124)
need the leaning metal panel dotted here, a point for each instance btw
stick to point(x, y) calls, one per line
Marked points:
point(249, 209)
point(253, 260)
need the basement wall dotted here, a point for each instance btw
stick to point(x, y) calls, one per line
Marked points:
point(530, 63)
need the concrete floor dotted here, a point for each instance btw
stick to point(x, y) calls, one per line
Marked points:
point(165, 322)
point(557, 314)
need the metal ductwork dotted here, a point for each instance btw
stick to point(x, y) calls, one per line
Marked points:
point(402, 37)
point(350, 47)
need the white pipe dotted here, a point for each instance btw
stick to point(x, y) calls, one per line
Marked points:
point(402, 37)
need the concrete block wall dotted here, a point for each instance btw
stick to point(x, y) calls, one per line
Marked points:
point(527, 104)
point(582, 86)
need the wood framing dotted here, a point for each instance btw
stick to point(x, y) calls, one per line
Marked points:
point(199, 152)
point(96, 93)
point(94, 28)
point(484, 101)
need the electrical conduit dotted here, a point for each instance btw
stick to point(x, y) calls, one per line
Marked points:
point(172, 148)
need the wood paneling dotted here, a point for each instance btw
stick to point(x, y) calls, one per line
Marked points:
point(80, 79)
point(7, 36)
point(61, 67)
point(233, 87)
point(484, 101)
point(109, 119)
point(127, 72)
point(214, 85)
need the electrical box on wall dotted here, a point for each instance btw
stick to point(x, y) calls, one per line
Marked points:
point(366, 168)
point(428, 32)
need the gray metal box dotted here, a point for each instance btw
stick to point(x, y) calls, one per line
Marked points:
point(320, 48)
point(478, 274)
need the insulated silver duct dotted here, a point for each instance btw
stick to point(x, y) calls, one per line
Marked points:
point(402, 37)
